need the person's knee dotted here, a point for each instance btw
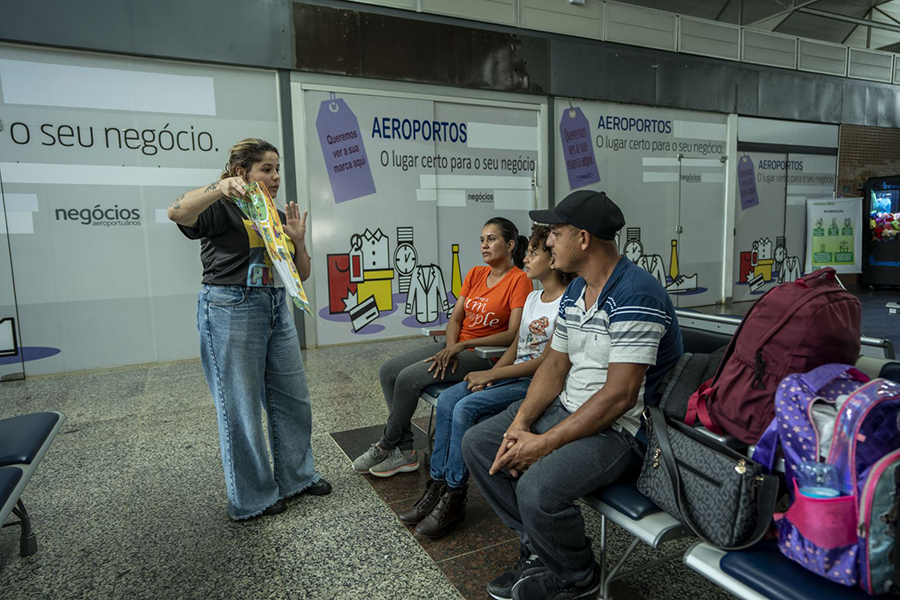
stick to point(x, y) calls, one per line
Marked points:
point(464, 414)
point(538, 497)
point(473, 446)
point(387, 373)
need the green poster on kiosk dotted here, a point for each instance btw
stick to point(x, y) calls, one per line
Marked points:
point(833, 234)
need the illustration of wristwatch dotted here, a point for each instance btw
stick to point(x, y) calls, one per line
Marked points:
point(405, 258)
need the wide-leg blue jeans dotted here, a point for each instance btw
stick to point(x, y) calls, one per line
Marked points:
point(252, 361)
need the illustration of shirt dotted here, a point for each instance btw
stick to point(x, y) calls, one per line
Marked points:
point(653, 264)
point(427, 295)
point(536, 328)
point(488, 309)
point(231, 251)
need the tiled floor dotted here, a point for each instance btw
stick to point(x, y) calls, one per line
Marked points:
point(130, 501)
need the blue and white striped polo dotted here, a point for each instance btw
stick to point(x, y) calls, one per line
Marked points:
point(633, 321)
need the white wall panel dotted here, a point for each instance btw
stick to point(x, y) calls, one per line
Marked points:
point(772, 131)
point(406, 4)
point(865, 64)
point(709, 38)
point(493, 11)
point(640, 27)
point(770, 49)
point(820, 57)
point(584, 20)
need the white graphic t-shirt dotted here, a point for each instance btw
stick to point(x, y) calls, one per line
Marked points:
point(536, 328)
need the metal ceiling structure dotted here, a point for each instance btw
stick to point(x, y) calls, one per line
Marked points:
point(871, 24)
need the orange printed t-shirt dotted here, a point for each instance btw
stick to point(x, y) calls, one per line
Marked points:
point(487, 309)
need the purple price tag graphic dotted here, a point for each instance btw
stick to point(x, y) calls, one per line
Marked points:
point(747, 182)
point(345, 154)
point(578, 149)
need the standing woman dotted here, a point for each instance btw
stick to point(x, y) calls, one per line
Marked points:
point(248, 342)
point(487, 312)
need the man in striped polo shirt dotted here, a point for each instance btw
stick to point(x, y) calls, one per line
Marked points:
point(616, 336)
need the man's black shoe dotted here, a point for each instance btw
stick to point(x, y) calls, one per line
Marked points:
point(546, 586)
point(501, 587)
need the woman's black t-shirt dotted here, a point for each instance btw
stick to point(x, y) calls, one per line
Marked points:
point(231, 251)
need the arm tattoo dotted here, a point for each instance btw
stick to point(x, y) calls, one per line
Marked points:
point(177, 204)
point(211, 187)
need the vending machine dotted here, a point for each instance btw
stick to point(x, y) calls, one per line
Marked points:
point(881, 244)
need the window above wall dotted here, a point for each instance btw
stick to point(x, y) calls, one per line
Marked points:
point(853, 39)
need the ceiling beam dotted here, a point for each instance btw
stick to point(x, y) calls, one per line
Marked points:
point(891, 17)
point(846, 19)
point(772, 22)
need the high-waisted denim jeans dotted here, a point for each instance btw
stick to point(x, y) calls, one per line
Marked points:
point(457, 410)
point(251, 358)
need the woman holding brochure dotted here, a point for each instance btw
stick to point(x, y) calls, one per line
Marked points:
point(248, 342)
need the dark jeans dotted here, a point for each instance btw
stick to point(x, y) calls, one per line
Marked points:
point(540, 504)
point(402, 380)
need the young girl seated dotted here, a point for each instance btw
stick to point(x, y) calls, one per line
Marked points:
point(486, 393)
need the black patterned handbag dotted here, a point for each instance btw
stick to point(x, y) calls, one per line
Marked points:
point(725, 498)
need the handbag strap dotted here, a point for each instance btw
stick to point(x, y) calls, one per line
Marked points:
point(765, 492)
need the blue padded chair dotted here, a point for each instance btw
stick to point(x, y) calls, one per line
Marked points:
point(23, 442)
point(763, 573)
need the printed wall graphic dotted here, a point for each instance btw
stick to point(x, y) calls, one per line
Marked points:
point(427, 296)
point(665, 169)
point(340, 288)
point(769, 244)
point(344, 151)
point(578, 148)
point(834, 235)
point(363, 313)
point(761, 265)
point(747, 183)
point(405, 257)
point(669, 277)
point(440, 169)
point(456, 274)
point(364, 274)
point(87, 178)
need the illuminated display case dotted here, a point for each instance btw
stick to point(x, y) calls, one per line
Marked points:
point(881, 244)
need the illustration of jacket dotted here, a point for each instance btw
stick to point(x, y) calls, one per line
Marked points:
point(427, 294)
point(790, 271)
point(653, 264)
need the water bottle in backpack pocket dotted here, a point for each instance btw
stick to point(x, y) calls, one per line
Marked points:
point(847, 538)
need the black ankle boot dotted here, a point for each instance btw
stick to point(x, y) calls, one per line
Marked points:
point(446, 514)
point(424, 505)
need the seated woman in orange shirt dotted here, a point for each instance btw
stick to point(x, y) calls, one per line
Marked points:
point(487, 312)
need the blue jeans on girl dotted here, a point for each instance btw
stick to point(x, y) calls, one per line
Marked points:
point(457, 410)
point(251, 358)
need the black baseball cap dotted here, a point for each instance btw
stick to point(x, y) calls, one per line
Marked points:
point(585, 209)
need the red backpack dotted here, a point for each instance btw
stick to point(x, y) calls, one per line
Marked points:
point(793, 328)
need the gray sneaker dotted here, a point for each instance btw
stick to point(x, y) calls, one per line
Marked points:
point(370, 458)
point(398, 461)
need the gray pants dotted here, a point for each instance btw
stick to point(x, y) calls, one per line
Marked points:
point(402, 380)
point(540, 504)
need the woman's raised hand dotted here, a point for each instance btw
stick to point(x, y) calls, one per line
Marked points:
point(294, 224)
point(231, 187)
